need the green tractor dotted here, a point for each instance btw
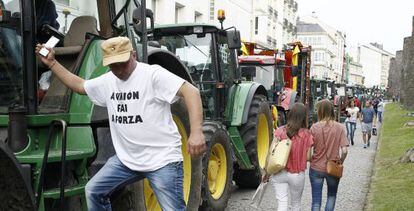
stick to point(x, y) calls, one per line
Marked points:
point(238, 123)
point(51, 146)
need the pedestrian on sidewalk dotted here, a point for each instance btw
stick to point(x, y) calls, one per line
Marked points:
point(329, 140)
point(352, 115)
point(368, 115)
point(380, 110)
point(291, 180)
point(146, 140)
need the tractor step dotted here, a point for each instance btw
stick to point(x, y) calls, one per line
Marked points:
point(71, 191)
point(54, 155)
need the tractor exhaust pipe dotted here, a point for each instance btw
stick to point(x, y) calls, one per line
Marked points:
point(17, 131)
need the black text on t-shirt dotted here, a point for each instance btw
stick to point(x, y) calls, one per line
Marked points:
point(119, 97)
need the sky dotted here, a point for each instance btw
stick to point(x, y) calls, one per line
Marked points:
point(365, 21)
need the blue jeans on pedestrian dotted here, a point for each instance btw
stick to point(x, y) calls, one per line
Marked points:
point(350, 129)
point(379, 116)
point(317, 179)
point(166, 182)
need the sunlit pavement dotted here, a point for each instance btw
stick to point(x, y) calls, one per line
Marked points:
point(353, 187)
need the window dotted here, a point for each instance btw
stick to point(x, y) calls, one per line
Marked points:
point(256, 25)
point(178, 8)
point(63, 2)
point(197, 17)
point(154, 8)
point(212, 10)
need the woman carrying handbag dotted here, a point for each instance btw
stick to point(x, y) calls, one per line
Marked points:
point(326, 164)
point(292, 178)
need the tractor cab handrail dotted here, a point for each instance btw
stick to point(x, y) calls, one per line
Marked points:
point(52, 127)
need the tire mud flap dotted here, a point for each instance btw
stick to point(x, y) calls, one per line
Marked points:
point(15, 192)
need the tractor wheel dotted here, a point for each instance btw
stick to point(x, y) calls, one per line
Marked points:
point(218, 167)
point(139, 196)
point(257, 136)
point(15, 192)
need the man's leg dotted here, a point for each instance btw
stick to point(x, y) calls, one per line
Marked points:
point(112, 175)
point(364, 134)
point(167, 183)
point(369, 133)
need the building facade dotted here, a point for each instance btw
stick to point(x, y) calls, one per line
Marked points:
point(328, 48)
point(375, 61)
point(274, 22)
point(355, 74)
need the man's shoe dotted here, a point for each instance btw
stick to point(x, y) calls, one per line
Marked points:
point(352, 142)
point(365, 146)
point(368, 143)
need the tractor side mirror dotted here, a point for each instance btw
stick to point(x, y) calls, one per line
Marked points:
point(138, 18)
point(233, 39)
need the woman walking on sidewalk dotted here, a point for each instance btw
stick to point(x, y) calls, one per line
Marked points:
point(329, 139)
point(352, 115)
point(292, 178)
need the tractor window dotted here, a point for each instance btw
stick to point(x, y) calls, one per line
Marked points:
point(195, 52)
point(11, 74)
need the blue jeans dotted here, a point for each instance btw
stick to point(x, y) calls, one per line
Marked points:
point(350, 129)
point(167, 183)
point(379, 116)
point(316, 179)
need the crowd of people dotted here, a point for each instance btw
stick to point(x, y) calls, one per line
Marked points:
point(371, 111)
point(328, 140)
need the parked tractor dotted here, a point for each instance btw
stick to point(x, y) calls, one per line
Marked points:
point(238, 123)
point(262, 65)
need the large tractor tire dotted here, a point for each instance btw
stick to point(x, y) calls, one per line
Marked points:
point(218, 167)
point(15, 192)
point(139, 196)
point(257, 136)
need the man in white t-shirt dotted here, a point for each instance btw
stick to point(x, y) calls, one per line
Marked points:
point(146, 140)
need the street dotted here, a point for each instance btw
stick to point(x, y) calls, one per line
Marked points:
point(352, 191)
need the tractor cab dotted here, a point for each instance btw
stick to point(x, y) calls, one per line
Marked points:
point(266, 68)
point(205, 51)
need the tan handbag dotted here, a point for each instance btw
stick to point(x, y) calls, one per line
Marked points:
point(278, 156)
point(334, 167)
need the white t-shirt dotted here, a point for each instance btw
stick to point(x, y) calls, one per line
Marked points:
point(143, 132)
point(353, 112)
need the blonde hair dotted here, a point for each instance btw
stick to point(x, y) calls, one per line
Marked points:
point(325, 110)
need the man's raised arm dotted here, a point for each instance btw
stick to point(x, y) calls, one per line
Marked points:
point(74, 82)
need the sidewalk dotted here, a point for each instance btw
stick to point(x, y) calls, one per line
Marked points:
point(352, 190)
